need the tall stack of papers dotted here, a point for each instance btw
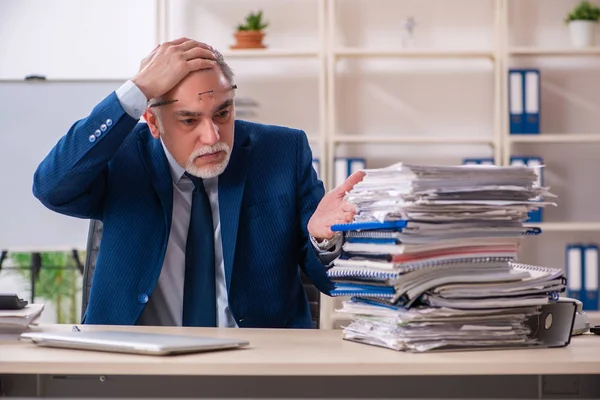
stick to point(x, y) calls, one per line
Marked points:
point(430, 260)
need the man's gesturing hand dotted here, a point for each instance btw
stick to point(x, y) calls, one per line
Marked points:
point(169, 63)
point(333, 209)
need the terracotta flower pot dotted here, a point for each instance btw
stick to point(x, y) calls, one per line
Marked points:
point(249, 40)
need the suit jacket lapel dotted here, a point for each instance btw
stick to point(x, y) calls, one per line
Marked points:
point(157, 165)
point(231, 190)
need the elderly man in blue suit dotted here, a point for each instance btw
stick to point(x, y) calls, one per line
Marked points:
point(207, 219)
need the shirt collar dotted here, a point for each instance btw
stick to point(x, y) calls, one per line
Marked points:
point(176, 170)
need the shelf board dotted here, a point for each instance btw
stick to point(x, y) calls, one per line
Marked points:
point(413, 53)
point(568, 226)
point(556, 138)
point(411, 139)
point(270, 53)
point(524, 51)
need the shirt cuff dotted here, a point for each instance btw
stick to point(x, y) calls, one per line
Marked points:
point(132, 99)
point(327, 256)
point(331, 245)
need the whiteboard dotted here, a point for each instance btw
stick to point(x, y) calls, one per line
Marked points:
point(33, 117)
point(75, 39)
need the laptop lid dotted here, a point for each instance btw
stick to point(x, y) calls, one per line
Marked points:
point(132, 342)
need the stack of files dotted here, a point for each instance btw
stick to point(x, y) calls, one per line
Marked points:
point(17, 321)
point(433, 237)
point(428, 329)
point(435, 194)
point(455, 309)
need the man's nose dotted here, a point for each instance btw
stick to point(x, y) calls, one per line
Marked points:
point(209, 133)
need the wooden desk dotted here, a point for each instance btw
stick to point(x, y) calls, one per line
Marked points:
point(300, 363)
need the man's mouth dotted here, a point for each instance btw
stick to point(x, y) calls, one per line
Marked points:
point(210, 156)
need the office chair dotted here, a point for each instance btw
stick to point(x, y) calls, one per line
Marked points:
point(93, 245)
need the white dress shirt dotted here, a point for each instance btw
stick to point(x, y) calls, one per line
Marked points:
point(166, 303)
point(165, 306)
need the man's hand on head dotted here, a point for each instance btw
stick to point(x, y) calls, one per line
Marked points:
point(169, 63)
point(333, 209)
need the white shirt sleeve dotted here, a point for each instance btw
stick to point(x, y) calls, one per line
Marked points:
point(132, 99)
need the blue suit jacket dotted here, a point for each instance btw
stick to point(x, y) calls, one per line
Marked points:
point(266, 196)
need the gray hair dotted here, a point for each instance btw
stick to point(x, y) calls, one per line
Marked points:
point(222, 64)
point(225, 68)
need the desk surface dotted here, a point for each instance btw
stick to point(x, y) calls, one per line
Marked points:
point(297, 352)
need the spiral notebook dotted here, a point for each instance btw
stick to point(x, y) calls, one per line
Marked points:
point(449, 283)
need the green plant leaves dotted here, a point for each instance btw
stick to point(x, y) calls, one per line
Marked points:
point(254, 22)
point(584, 11)
point(59, 282)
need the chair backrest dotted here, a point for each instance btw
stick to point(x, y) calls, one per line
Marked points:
point(93, 245)
point(91, 254)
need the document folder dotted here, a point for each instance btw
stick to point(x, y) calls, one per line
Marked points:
point(554, 326)
point(478, 161)
point(574, 271)
point(551, 328)
point(532, 101)
point(515, 101)
point(590, 278)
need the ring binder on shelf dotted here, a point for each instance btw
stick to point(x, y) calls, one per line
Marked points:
point(590, 277)
point(574, 271)
point(515, 101)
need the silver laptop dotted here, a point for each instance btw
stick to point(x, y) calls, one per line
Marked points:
point(132, 342)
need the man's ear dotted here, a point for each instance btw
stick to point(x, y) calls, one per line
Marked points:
point(152, 121)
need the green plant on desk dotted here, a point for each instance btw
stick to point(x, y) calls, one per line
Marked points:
point(57, 282)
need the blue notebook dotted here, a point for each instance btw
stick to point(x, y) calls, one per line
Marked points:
point(363, 290)
point(357, 226)
point(372, 240)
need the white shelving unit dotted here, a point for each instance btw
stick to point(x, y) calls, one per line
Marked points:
point(271, 53)
point(562, 52)
point(415, 53)
point(555, 138)
point(501, 55)
point(411, 139)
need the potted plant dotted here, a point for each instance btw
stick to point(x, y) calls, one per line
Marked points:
point(582, 21)
point(250, 34)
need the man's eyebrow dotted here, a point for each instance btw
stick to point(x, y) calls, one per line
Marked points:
point(225, 104)
point(187, 113)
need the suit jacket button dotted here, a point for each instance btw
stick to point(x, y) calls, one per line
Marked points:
point(103, 127)
point(92, 138)
point(143, 298)
point(109, 122)
point(98, 132)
